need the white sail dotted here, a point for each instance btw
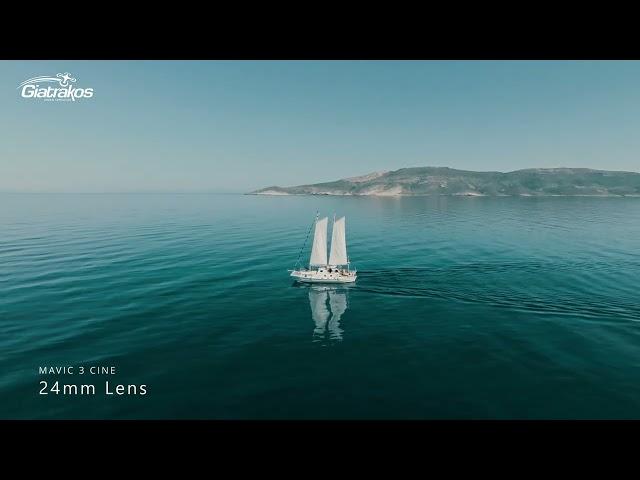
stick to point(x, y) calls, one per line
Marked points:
point(338, 255)
point(319, 249)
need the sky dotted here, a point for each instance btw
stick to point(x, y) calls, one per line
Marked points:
point(236, 126)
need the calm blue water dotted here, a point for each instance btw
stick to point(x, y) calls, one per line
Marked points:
point(464, 307)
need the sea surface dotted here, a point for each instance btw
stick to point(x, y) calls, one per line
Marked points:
point(464, 308)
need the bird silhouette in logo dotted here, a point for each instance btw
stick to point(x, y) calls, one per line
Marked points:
point(66, 77)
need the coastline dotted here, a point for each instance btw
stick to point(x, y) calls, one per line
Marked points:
point(466, 195)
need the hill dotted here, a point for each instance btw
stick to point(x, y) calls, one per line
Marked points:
point(449, 181)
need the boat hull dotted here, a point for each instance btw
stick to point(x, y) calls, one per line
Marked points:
point(323, 277)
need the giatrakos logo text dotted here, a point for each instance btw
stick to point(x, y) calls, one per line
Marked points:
point(63, 89)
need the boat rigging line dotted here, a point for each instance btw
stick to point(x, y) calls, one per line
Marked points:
point(306, 238)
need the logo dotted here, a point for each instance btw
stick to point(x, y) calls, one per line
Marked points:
point(63, 89)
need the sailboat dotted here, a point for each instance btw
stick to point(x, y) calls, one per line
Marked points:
point(321, 269)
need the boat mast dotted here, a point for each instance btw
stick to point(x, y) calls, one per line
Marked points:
point(332, 229)
point(315, 223)
point(345, 246)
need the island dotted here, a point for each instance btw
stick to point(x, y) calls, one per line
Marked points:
point(449, 181)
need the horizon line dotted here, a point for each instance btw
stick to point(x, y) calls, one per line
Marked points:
point(204, 192)
point(160, 192)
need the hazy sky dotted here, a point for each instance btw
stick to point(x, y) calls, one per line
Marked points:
point(238, 126)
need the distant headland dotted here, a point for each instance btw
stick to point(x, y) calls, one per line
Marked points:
point(449, 181)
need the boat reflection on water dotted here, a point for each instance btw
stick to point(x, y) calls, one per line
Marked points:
point(328, 304)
